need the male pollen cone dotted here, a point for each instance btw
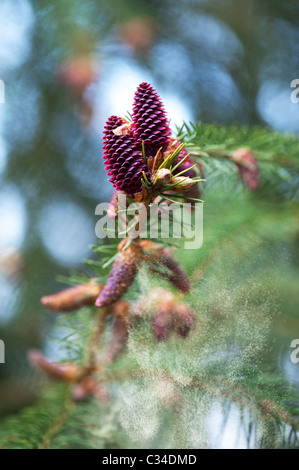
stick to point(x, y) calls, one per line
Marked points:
point(90, 387)
point(150, 123)
point(172, 317)
point(162, 321)
point(248, 167)
point(121, 276)
point(174, 274)
point(77, 73)
point(73, 298)
point(119, 338)
point(69, 373)
point(123, 158)
point(185, 319)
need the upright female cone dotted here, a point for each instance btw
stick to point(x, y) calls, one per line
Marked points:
point(123, 158)
point(150, 123)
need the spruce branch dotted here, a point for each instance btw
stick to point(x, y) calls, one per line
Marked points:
point(58, 423)
point(132, 309)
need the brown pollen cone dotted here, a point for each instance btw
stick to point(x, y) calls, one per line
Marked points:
point(172, 316)
point(74, 297)
point(173, 272)
point(77, 73)
point(121, 276)
point(89, 387)
point(185, 319)
point(176, 275)
point(67, 372)
point(248, 167)
point(162, 321)
point(120, 332)
point(138, 33)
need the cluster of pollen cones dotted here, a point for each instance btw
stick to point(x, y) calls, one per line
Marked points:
point(169, 314)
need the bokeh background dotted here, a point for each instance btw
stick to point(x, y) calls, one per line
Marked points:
point(69, 65)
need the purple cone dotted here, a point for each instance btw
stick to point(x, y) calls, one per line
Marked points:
point(123, 159)
point(149, 120)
